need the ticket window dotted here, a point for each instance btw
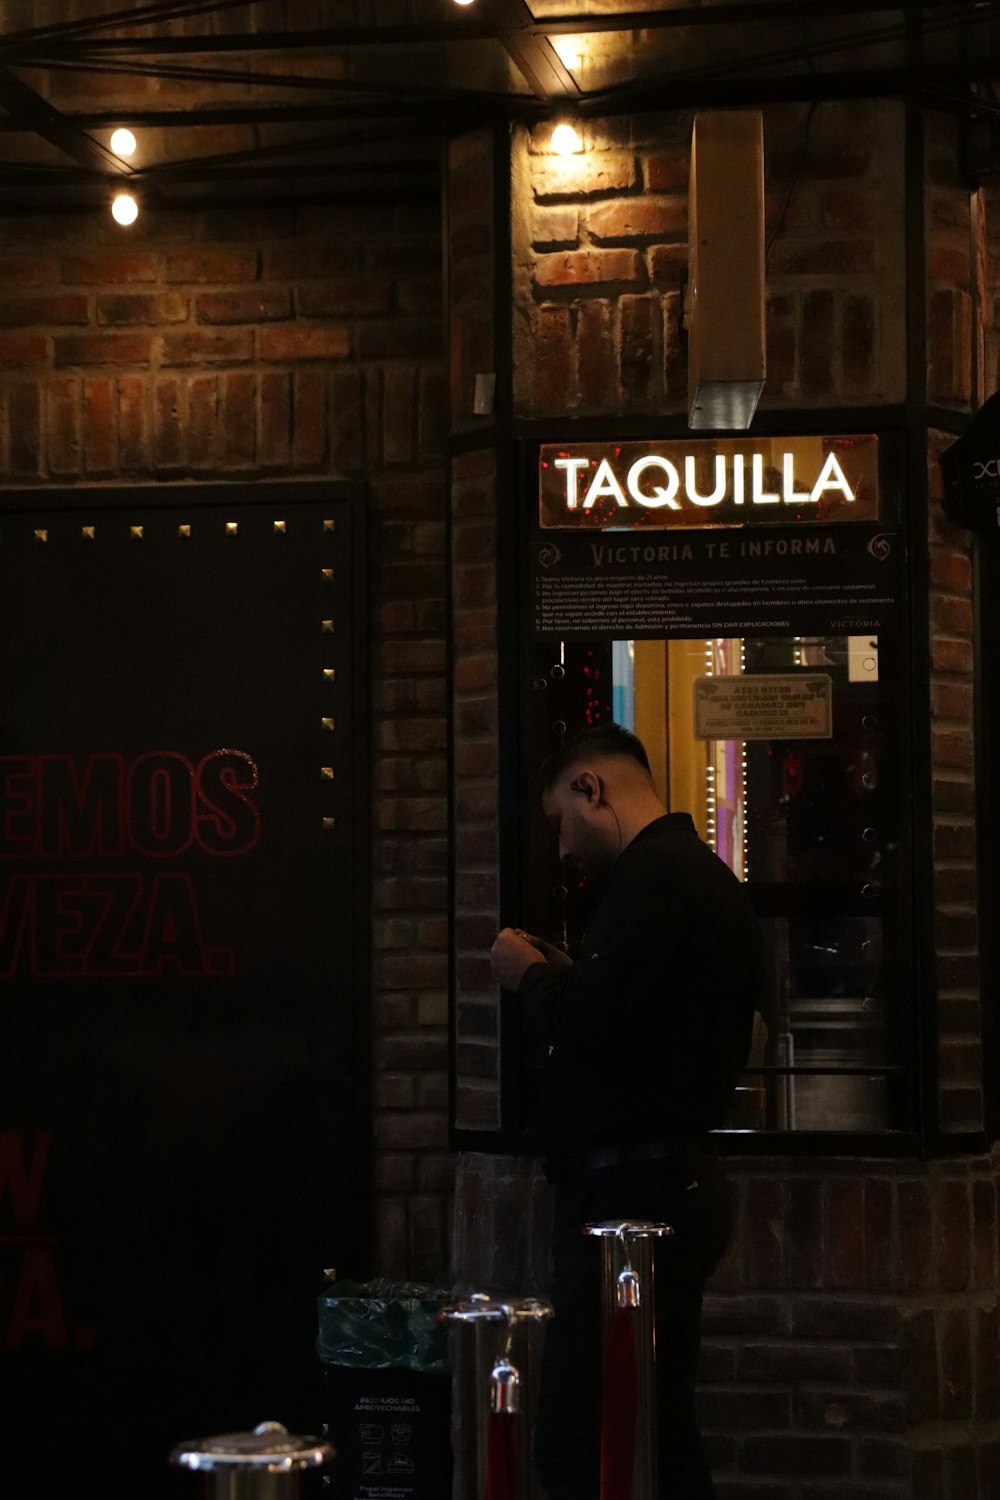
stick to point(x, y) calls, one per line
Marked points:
point(804, 820)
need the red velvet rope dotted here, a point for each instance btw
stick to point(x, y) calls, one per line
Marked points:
point(502, 1456)
point(620, 1405)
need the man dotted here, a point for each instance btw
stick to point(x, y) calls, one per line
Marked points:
point(648, 1030)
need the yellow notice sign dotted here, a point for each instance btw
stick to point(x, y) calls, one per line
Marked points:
point(778, 706)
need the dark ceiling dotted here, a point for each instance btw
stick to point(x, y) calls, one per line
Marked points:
point(232, 99)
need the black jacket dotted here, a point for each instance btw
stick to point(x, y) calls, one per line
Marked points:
point(651, 1028)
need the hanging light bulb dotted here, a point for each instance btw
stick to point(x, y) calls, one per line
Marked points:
point(123, 142)
point(566, 139)
point(124, 208)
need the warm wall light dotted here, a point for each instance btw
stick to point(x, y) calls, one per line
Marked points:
point(123, 142)
point(124, 208)
point(566, 140)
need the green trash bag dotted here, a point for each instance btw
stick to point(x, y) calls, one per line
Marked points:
point(383, 1325)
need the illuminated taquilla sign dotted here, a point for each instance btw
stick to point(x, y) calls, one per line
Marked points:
point(729, 482)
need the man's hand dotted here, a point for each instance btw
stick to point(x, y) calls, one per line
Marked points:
point(511, 954)
point(515, 951)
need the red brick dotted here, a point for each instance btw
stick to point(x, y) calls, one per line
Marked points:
point(398, 412)
point(300, 262)
point(344, 297)
point(230, 346)
point(956, 1363)
point(956, 887)
point(346, 421)
point(636, 348)
point(920, 1362)
point(168, 442)
point(948, 263)
point(203, 428)
point(102, 349)
point(951, 656)
point(293, 344)
point(25, 429)
point(53, 308)
point(309, 424)
point(960, 1059)
point(26, 270)
point(786, 1453)
point(822, 257)
point(960, 1109)
point(138, 308)
point(588, 172)
point(849, 1410)
point(674, 347)
point(952, 748)
point(62, 401)
point(133, 438)
point(817, 343)
point(846, 1233)
point(952, 700)
point(398, 338)
point(954, 1232)
point(639, 218)
point(668, 171)
point(99, 425)
point(765, 1233)
point(878, 1234)
point(552, 227)
point(668, 266)
point(108, 268)
point(858, 344)
point(955, 930)
point(804, 1226)
point(552, 345)
point(275, 419)
point(473, 673)
point(23, 349)
point(227, 267)
point(851, 208)
point(984, 1241)
point(951, 571)
point(239, 419)
point(474, 585)
point(587, 267)
point(954, 840)
point(255, 305)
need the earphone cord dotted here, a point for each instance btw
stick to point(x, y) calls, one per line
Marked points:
point(611, 810)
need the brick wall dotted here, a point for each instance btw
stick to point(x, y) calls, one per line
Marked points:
point(264, 345)
point(852, 1333)
point(600, 260)
point(851, 1336)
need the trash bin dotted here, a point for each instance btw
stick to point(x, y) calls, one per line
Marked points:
point(388, 1390)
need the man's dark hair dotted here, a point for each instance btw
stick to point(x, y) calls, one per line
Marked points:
point(600, 740)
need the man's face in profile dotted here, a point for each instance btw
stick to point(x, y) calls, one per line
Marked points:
point(581, 822)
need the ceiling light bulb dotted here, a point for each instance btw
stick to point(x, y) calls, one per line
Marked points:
point(566, 140)
point(123, 143)
point(124, 208)
point(463, 2)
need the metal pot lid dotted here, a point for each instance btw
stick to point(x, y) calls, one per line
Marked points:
point(270, 1447)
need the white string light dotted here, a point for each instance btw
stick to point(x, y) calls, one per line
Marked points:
point(124, 208)
point(566, 139)
point(123, 142)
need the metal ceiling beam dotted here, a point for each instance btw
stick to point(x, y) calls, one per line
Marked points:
point(533, 54)
point(158, 10)
point(32, 112)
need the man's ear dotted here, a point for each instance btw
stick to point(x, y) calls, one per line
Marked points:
point(586, 784)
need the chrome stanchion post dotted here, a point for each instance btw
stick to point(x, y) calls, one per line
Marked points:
point(261, 1465)
point(627, 1282)
point(510, 1325)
